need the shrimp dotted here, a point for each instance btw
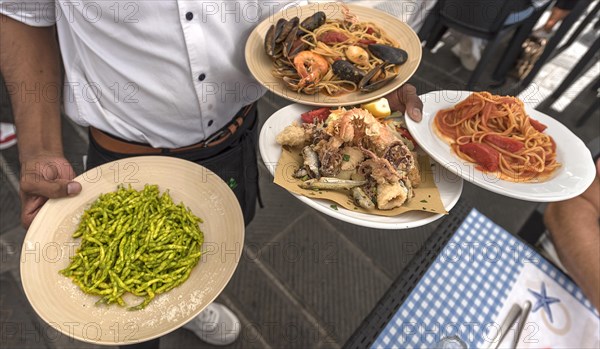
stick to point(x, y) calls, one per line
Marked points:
point(348, 16)
point(311, 67)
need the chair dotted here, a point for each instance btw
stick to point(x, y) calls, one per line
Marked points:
point(584, 64)
point(549, 51)
point(487, 19)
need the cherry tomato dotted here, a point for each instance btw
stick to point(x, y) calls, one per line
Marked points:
point(319, 115)
point(537, 125)
point(366, 42)
point(404, 132)
point(484, 155)
point(506, 143)
point(331, 37)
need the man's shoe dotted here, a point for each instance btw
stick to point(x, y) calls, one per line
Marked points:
point(8, 135)
point(215, 325)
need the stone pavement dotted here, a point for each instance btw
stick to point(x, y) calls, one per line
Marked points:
point(305, 279)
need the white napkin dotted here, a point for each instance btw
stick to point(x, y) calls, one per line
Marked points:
point(572, 326)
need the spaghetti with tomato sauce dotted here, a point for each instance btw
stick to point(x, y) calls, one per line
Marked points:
point(496, 133)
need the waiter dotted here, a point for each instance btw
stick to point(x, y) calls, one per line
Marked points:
point(147, 78)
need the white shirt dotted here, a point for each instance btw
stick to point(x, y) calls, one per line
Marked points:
point(168, 73)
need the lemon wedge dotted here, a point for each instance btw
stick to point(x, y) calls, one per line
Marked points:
point(380, 108)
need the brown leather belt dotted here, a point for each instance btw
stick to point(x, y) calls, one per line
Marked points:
point(117, 145)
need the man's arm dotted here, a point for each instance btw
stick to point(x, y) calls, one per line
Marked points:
point(30, 60)
point(573, 225)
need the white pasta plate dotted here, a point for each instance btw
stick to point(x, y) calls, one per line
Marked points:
point(48, 246)
point(573, 177)
point(449, 185)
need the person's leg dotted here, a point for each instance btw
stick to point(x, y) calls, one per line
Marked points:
point(561, 9)
point(8, 135)
point(468, 50)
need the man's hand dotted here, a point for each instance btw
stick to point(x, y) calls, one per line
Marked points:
point(405, 99)
point(42, 177)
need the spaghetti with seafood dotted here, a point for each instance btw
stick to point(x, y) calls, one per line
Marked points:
point(334, 56)
point(496, 133)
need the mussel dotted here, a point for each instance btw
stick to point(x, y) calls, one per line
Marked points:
point(284, 36)
point(315, 21)
point(286, 28)
point(389, 54)
point(270, 41)
point(368, 83)
point(289, 42)
point(347, 71)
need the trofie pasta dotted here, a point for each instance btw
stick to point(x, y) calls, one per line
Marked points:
point(136, 242)
point(496, 133)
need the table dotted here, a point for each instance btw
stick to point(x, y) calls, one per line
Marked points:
point(462, 283)
point(370, 328)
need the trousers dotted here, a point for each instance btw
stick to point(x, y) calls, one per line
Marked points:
point(234, 161)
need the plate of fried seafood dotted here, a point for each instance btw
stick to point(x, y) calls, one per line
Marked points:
point(134, 255)
point(503, 145)
point(332, 54)
point(348, 164)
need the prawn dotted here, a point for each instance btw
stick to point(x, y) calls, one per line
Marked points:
point(311, 67)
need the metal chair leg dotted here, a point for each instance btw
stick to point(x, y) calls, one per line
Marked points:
point(436, 34)
point(594, 108)
point(565, 26)
point(577, 69)
point(514, 48)
point(490, 47)
point(591, 16)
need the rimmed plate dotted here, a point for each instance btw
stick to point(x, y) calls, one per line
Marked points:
point(449, 185)
point(260, 64)
point(571, 179)
point(48, 246)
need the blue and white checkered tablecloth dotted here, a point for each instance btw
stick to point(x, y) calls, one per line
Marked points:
point(462, 292)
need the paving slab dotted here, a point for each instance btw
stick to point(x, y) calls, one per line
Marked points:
point(317, 265)
point(18, 329)
point(281, 210)
point(9, 202)
point(509, 213)
point(11, 242)
point(390, 250)
point(272, 312)
point(21, 328)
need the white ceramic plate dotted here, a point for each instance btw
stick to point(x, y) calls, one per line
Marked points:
point(449, 185)
point(48, 246)
point(571, 179)
point(260, 65)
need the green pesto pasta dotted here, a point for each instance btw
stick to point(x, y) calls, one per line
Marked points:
point(136, 242)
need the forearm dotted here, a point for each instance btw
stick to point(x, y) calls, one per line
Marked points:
point(575, 231)
point(30, 64)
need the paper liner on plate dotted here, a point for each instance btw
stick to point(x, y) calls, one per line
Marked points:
point(427, 197)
